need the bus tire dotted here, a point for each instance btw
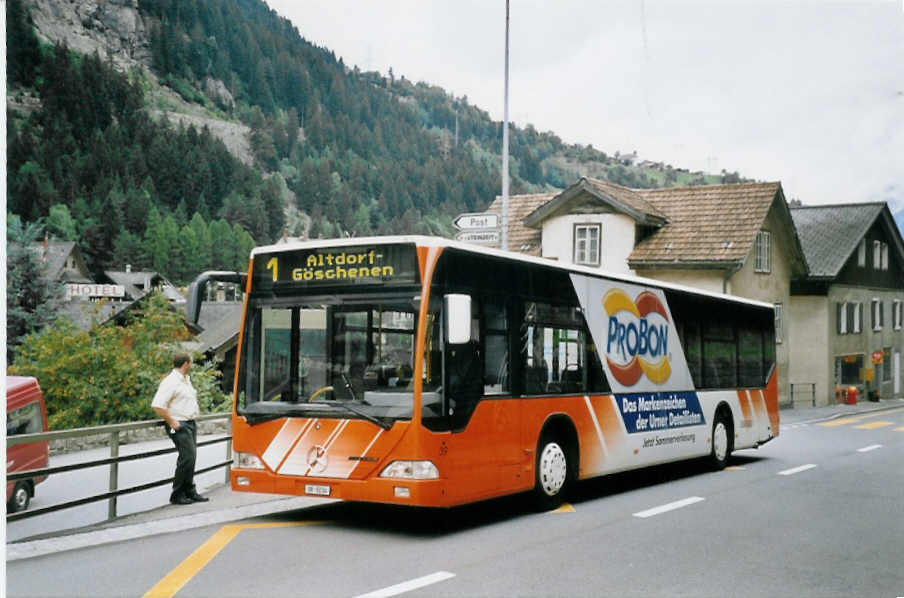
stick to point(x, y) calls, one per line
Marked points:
point(20, 498)
point(722, 436)
point(553, 472)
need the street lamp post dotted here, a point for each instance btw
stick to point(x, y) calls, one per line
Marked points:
point(505, 140)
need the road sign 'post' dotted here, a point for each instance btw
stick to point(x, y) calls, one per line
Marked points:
point(476, 221)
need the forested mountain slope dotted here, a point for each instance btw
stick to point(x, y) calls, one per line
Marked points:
point(103, 135)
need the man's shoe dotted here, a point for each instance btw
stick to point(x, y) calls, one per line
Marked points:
point(180, 500)
point(197, 498)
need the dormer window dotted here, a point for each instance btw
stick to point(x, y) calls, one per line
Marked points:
point(587, 244)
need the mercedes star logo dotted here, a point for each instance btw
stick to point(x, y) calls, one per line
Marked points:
point(317, 458)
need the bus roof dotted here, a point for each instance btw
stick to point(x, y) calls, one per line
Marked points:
point(425, 241)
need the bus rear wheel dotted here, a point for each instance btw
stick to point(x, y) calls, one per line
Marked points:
point(720, 451)
point(552, 473)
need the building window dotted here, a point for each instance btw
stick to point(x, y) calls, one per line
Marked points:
point(763, 252)
point(848, 368)
point(849, 318)
point(878, 314)
point(877, 255)
point(779, 322)
point(897, 314)
point(587, 244)
point(884, 259)
point(861, 254)
point(841, 318)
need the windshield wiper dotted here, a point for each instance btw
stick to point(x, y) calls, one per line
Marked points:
point(366, 416)
point(351, 390)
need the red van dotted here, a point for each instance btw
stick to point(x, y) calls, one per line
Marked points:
point(25, 414)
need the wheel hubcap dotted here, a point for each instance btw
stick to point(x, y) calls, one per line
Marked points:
point(720, 441)
point(21, 498)
point(553, 469)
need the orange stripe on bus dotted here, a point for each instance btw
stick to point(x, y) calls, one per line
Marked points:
point(744, 400)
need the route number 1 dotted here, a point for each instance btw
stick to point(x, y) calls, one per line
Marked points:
point(273, 264)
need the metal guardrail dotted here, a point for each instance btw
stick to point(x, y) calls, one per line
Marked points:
point(803, 389)
point(114, 460)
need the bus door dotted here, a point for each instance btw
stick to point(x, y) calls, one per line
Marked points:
point(485, 419)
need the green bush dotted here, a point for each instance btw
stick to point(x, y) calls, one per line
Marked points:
point(109, 374)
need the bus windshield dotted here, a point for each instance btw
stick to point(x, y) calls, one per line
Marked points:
point(343, 357)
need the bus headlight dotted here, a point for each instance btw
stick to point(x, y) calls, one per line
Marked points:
point(247, 461)
point(411, 470)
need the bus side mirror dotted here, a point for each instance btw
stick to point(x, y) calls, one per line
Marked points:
point(457, 309)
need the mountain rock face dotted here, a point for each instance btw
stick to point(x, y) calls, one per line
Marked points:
point(110, 27)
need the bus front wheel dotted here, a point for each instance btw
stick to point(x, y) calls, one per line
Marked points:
point(721, 440)
point(552, 473)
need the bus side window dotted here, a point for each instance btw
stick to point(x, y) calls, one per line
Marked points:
point(496, 362)
point(720, 354)
point(596, 377)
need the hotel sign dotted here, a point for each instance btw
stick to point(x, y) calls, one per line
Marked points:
point(95, 290)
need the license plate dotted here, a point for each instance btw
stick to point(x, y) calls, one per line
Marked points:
point(317, 489)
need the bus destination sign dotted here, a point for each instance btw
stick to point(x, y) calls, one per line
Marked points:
point(336, 266)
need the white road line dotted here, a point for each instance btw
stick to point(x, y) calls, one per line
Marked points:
point(869, 448)
point(407, 586)
point(794, 470)
point(669, 507)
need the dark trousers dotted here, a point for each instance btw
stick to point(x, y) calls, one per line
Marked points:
point(185, 439)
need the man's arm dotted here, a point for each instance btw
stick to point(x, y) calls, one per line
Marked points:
point(173, 423)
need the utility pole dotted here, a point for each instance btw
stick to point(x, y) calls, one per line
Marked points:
point(505, 140)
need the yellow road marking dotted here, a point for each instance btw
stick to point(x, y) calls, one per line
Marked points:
point(566, 508)
point(735, 468)
point(842, 421)
point(187, 569)
point(901, 429)
point(874, 425)
point(881, 413)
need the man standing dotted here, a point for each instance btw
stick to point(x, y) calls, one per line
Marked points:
point(176, 402)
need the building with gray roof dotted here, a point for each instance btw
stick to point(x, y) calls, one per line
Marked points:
point(846, 313)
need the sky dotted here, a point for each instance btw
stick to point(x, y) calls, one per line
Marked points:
point(809, 93)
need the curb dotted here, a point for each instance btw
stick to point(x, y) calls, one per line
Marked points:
point(30, 549)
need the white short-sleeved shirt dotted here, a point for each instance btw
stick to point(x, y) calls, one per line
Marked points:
point(178, 396)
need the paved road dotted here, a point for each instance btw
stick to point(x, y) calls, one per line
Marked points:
point(818, 512)
point(74, 485)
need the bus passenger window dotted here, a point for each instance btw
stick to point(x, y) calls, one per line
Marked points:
point(596, 377)
point(720, 355)
point(689, 331)
point(554, 348)
point(750, 364)
point(496, 363)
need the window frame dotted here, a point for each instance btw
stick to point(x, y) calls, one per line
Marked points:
point(861, 253)
point(877, 312)
point(587, 226)
point(779, 323)
point(763, 252)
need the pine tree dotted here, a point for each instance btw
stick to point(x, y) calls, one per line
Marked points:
point(202, 234)
point(31, 298)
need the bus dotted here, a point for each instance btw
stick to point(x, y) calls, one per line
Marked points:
point(423, 371)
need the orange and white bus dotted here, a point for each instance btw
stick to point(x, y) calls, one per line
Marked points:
point(422, 371)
